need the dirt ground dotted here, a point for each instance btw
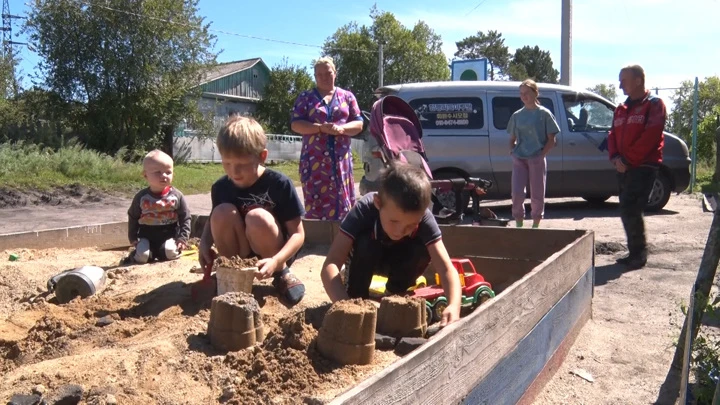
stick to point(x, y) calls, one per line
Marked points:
point(155, 350)
point(143, 339)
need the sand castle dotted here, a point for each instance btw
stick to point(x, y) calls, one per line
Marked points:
point(402, 317)
point(347, 334)
point(235, 322)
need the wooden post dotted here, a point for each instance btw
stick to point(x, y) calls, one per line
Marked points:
point(716, 175)
point(703, 283)
point(687, 353)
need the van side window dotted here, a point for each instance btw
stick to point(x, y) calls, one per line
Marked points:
point(504, 107)
point(449, 112)
point(587, 114)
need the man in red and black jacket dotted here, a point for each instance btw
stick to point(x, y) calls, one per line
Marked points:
point(635, 145)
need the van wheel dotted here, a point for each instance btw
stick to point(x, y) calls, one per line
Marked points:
point(660, 194)
point(596, 200)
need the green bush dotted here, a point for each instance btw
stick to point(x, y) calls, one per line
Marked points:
point(27, 165)
point(705, 361)
point(32, 166)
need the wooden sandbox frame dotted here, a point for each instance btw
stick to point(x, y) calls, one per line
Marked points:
point(502, 353)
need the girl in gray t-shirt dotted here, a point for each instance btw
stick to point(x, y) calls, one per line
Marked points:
point(532, 132)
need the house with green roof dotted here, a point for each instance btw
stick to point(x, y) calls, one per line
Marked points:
point(231, 88)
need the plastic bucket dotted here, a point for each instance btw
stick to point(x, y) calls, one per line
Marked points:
point(83, 282)
point(231, 279)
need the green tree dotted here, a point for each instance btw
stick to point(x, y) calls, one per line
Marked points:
point(410, 55)
point(608, 91)
point(517, 72)
point(681, 117)
point(9, 86)
point(134, 72)
point(286, 83)
point(35, 116)
point(490, 46)
point(537, 63)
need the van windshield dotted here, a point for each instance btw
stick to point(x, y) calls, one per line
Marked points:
point(586, 113)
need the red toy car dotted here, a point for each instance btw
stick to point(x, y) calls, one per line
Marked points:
point(475, 290)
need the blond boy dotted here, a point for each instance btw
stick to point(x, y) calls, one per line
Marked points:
point(255, 210)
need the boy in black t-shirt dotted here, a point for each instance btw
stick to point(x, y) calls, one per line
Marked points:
point(392, 233)
point(256, 211)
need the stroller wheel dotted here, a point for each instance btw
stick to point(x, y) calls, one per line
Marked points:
point(447, 199)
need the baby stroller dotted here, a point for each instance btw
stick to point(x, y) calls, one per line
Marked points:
point(397, 130)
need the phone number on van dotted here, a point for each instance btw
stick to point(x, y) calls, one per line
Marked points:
point(440, 123)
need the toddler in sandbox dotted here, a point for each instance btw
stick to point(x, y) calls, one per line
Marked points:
point(158, 218)
point(392, 233)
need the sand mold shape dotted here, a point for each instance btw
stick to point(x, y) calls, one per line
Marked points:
point(347, 334)
point(402, 317)
point(235, 322)
point(235, 274)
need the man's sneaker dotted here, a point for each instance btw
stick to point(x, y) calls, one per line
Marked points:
point(636, 263)
point(624, 260)
point(633, 262)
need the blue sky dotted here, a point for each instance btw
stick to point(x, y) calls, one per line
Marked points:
point(672, 40)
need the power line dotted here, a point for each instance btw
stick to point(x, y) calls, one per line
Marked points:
point(475, 8)
point(221, 31)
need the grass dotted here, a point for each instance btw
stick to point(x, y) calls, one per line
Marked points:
point(703, 178)
point(32, 167)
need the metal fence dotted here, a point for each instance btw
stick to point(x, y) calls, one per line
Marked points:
point(191, 148)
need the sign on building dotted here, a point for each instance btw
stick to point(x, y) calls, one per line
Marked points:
point(469, 69)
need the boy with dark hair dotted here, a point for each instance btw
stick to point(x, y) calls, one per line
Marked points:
point(256, 211)
point(391, 233)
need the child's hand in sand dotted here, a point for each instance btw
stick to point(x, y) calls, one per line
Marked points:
point(266, 268)
point(180, 245)
point(449, 316)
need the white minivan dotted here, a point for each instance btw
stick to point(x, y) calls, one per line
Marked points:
point(464, 132)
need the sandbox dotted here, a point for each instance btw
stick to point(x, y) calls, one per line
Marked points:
point(501, 353)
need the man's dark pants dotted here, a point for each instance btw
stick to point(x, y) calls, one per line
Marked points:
point(401, 262)
point(635, 186)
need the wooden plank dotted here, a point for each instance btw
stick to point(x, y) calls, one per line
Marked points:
point(464, 353)
point(552, 366)
point(105, 236)
point(319, 233)
point(514, 374)
point(114, 235)
point(197, 225)
point(493, 241)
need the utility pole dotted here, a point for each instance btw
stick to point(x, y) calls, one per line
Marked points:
point(7, 28)
point(7, 50)
point(566, 44)
point(380, 64)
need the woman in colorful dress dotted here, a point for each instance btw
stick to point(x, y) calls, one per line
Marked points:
point(327, 117)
